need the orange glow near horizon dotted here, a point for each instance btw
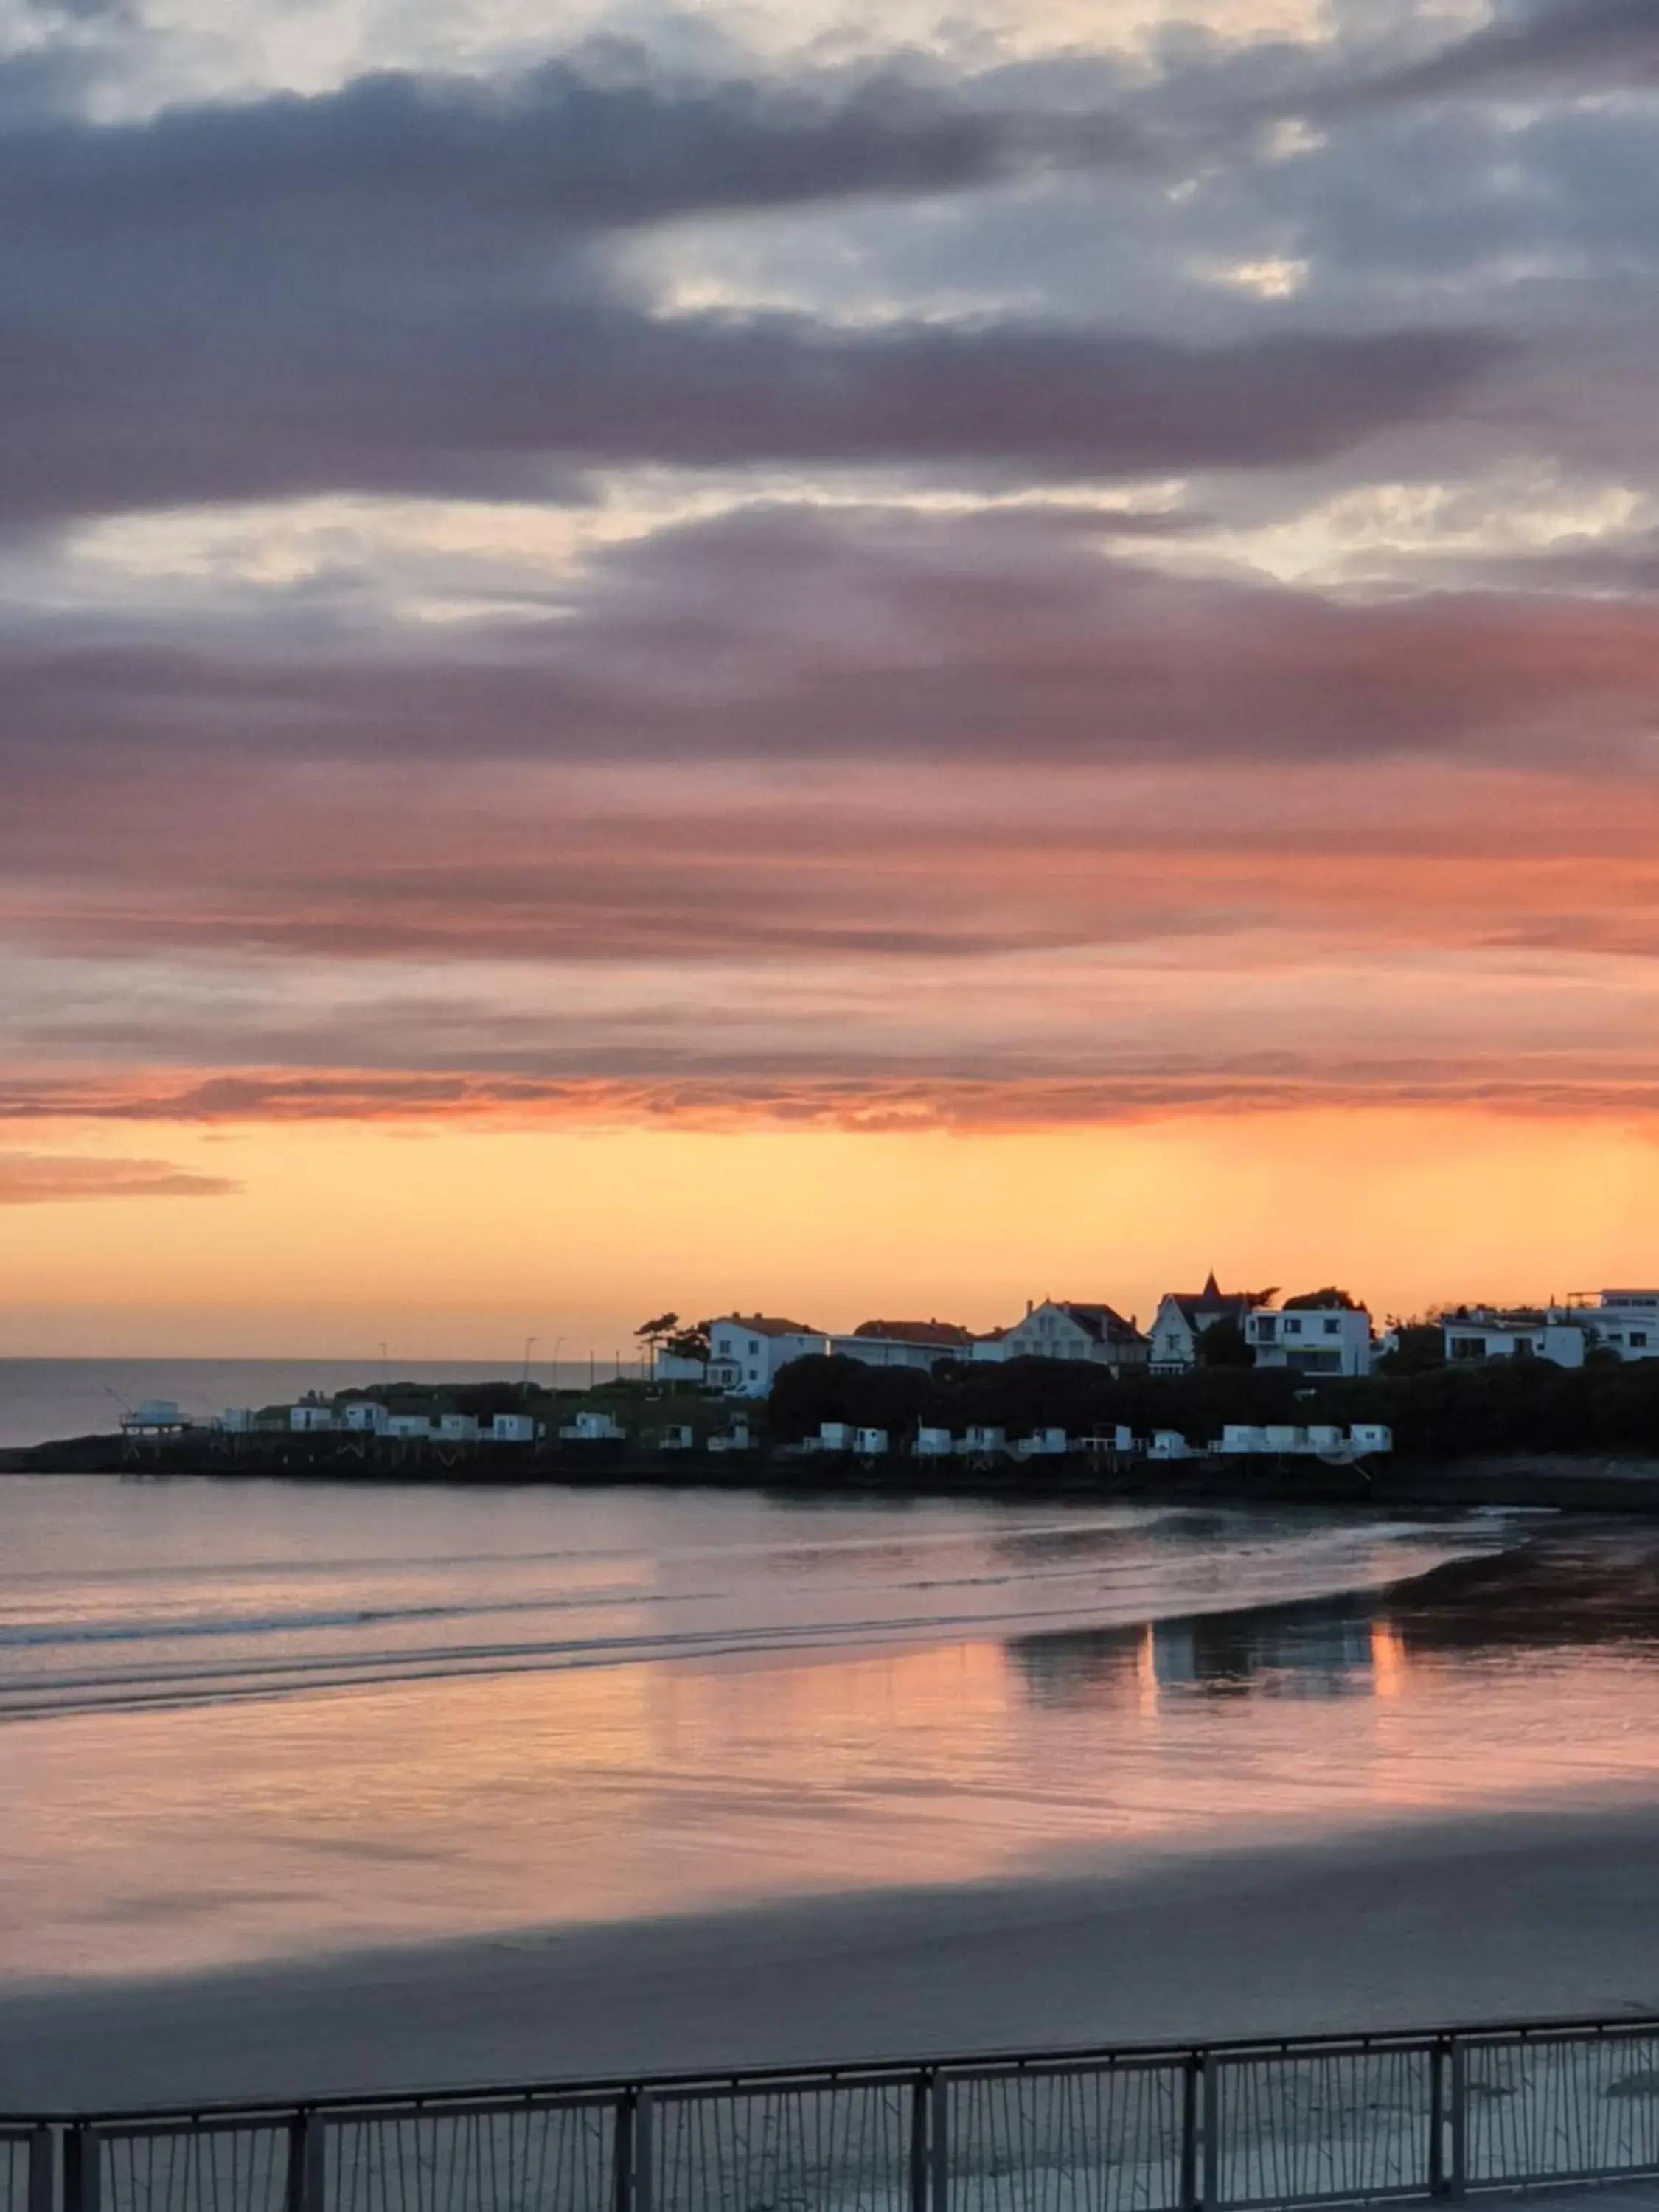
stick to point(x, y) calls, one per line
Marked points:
point(456, 1242)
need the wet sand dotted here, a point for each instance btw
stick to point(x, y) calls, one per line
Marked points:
point(1532, 1915)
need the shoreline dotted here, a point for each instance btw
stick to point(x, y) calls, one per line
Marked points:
point(1457, 1919)
point(1590, 1482)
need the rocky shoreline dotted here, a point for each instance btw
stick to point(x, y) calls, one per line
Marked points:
point(1584, 1482)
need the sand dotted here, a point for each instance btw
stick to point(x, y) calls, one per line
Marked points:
point(1530, 1916)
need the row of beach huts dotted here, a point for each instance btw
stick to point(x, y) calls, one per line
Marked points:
point(367, 1417)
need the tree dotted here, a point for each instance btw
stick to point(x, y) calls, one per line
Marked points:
point(689, 1343)
point(1330, 1298)
point(653, 1334)
point(1224, 1344)
point(1418, 1347)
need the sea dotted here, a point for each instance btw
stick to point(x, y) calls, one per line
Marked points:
point(244, 1721)
point(43, 1401)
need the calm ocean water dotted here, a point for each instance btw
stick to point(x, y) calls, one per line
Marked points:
point(240, 1720)
point(42, 1400)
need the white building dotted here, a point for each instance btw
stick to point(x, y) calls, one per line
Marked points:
point(1312, 1339)
point(591, 1428)
point(834, 1435)
point(934, 1444)
point(408, 1428)
point(871, 1444)
point(363, 1417)
point(918, 1344)
point(737, 1438)
point(1182, 1317)
point(1068, 1328)
point(308, 1417)
point(1628, 1323)
point(513, 1429)
point(981, 1440)
point(674, 1367)
point(746, 1351)
point(1473, 1333)
point(1043, 1443)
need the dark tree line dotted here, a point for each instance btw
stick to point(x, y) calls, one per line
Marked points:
point(1496, 1406)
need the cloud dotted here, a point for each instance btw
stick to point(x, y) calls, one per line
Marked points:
point(51, 1179)
point(394, 286)
point(791, 635)
point(1537, 48)
point(870, 1103)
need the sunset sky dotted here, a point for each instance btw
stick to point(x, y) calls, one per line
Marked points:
point(857, 658)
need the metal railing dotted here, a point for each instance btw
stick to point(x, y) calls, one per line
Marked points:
point(1211, 2128)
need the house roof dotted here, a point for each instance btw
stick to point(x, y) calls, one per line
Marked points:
point(915, 1331)
point(770, 1325)
point(1200, 1308)
point(1102, 1322)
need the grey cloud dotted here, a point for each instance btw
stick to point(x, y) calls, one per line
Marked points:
point(1530, 46)
point(385, 290)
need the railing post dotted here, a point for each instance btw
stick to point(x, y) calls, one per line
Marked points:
point(624, 2154)
point(1457, 2180)
point(306, 2171)
point(645, 2176)
point(1438, 2063)
point(921, 2090)
point(939, 2143)
point(1210, 2075)
point(1190, 2074)
point(43, 2194)
point(83, 2170)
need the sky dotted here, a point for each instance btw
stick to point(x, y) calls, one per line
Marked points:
point(841, 659)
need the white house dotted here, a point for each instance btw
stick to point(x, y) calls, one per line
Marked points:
point(1182, 1316)
point(1552, 1332)
point(918, 1344)
point(675, 1367)
point(458, 1428)
point(409, 1427)
point(734, 1439)
point(934, 1444)
point(307, 1418)
point(591, 1428)
point(363, 1417)
point(1169, 1443)
point(1312, 1339)
point(980, 1440)
point(1628, 1323)
point(746, 1351)
point(834, 1435)
point(871, 1444)
point(513, 1429)
point(1043, 1443)
point(1068, 1328)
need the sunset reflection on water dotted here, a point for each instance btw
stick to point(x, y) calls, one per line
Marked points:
point(144, 1840)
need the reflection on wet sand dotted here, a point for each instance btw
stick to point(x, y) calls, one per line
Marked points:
point(467, 1804)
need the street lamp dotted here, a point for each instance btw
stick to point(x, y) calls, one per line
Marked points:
point(524, 1380)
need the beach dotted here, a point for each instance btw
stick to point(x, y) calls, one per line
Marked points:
point(320, 1790)
point(1521, 1917)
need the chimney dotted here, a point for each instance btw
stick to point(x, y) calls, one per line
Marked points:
point(1028, 1308)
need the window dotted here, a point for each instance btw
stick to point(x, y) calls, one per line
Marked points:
point(1333, 1327)
point(1638, 1339)
point(1292, 1326)
point(753, 1347)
